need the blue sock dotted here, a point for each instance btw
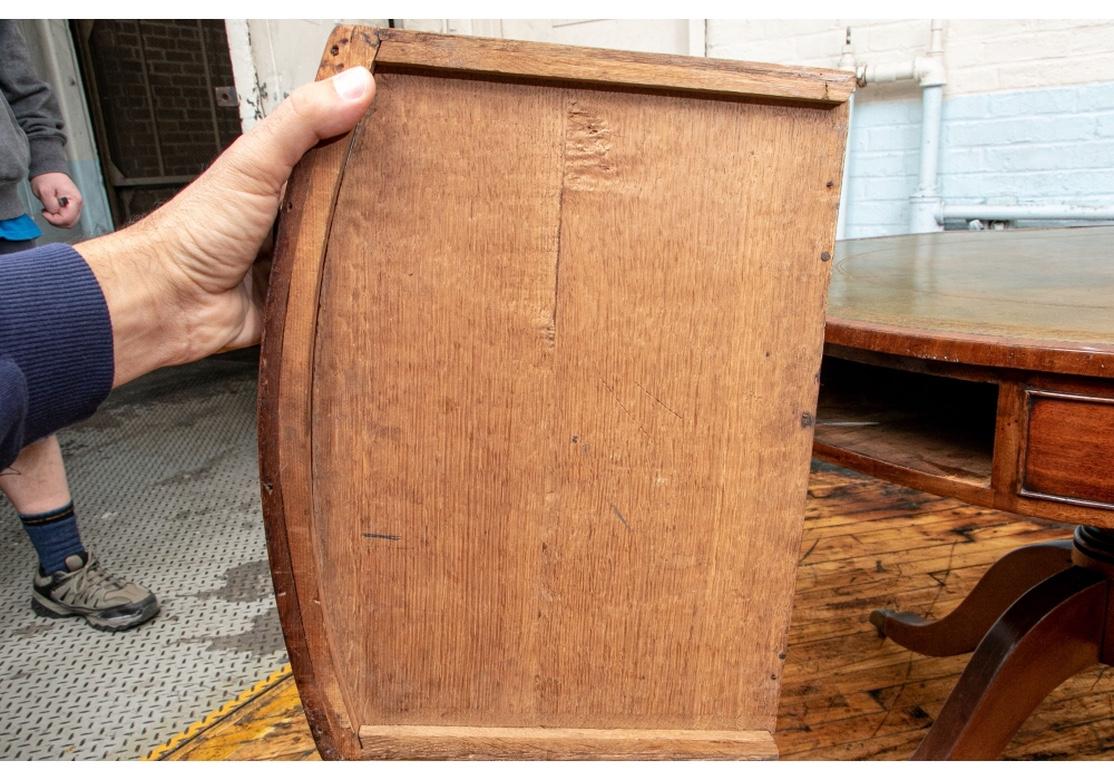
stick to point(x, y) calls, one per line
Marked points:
point(55, 537)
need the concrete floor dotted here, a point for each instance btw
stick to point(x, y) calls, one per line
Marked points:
point(164, 478)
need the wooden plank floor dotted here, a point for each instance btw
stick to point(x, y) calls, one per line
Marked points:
point(847, 693)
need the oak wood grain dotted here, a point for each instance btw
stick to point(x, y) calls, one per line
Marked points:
point(541, 433)
point(434, 380)
point(418, 440)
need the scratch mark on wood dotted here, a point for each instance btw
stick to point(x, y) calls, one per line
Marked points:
point(967, 532)
point(585, 155)
point(661, 403)
point(626, 411)
point(942, 580)
point(893, 702)
point(388, 537)
point(809, 551)
point(619, 515)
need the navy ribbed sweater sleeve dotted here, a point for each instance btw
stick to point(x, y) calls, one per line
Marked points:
point(56, 360)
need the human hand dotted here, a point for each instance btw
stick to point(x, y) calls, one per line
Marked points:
point(177, 283)
point(60, 198)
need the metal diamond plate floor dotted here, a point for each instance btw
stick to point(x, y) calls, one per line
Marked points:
point(165, 484)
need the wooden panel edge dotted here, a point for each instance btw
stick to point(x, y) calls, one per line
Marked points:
point(279, 432)
point(582, 65)
point(970, 492)
point(1055, 357)
point(1008, 442)
point(531, 743)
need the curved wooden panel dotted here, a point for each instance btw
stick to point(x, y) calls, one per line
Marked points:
point(540, 371)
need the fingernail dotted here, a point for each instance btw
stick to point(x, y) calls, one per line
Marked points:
point(353, 83)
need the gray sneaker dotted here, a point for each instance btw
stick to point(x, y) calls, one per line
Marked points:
point(85, 590)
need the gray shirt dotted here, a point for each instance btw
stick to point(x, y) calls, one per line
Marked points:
point(31, 136)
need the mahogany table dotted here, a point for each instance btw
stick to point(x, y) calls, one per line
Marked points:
point(981, 366)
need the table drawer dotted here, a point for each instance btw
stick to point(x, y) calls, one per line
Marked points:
point(1069, 446)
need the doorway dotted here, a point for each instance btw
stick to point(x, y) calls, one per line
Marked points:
point(162, 103)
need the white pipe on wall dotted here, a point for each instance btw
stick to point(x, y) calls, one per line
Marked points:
point(929, 73)
point(1012, 213)
point(846, 62)
point(698, 37)
point(925, 201)
point(928, 211)
point(883, 74)
point(932, 105)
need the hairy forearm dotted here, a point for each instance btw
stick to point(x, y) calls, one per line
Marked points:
point(147, 330)
point(173, 288)
point(177, 283)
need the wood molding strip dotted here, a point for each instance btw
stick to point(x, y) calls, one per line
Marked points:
point(469, 742)
point(1090, 360)
point(507, 58)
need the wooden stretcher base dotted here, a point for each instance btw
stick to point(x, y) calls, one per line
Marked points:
point(484, 743)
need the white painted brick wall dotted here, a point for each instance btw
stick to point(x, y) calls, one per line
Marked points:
point(1028, 111)
point(1039, 146)
point(981, 55)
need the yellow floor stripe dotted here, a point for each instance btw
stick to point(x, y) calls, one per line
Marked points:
point(226, 709)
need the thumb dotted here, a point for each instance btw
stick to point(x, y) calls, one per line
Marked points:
point(261, 159)
point(49, 199)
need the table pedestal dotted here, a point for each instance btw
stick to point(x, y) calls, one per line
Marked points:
point(1025, 442)
point(1041, 614)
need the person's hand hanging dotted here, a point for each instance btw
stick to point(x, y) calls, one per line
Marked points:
point(177, 282)
point(60, 198)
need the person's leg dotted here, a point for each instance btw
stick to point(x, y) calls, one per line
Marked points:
point(70, 582)
point(36, 485)
point(8, 247)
